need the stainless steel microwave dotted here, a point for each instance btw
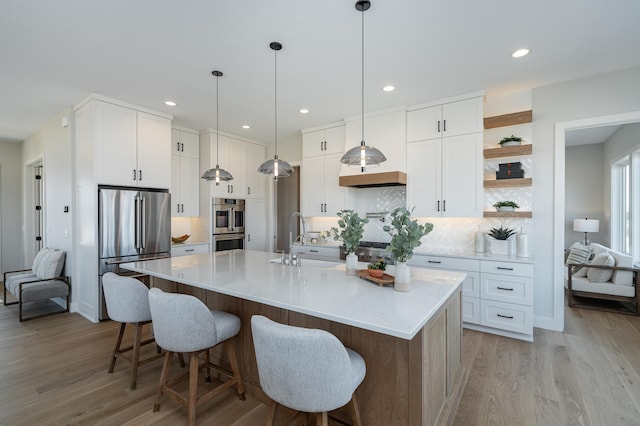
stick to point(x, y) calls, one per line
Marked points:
point(228, 216)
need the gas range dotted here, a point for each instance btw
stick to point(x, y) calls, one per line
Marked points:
point(369, 251)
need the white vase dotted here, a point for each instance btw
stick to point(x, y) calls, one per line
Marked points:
point(402, 279)
point(352, 264)
point(500, 247)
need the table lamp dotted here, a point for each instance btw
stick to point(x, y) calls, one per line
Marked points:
point(586, 225)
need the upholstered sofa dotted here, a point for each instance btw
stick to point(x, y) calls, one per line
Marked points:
point(43, 281)
point(598, 272)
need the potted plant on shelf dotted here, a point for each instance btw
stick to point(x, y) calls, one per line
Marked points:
point(377, 268)
point(506, 206)
point(510, 141)
point(405, 236)
point(350, 233)
point(500, 243)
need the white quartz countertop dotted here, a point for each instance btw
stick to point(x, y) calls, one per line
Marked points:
point(317, 288)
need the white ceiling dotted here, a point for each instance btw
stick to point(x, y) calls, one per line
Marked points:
point(589, 136)
point(54, 53)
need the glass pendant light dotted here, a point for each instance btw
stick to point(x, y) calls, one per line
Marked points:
point(276, 167)
point(217, 174)
point(363, 155)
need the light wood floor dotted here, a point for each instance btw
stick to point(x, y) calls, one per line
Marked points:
point(53, 371)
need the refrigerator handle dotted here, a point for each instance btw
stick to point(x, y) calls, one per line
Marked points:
point(136, 231)
point(143, 220)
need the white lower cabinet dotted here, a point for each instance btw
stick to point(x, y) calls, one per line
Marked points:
point(187, 249)
point(497, 296)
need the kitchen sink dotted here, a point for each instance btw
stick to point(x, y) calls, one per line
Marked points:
point(309, 262)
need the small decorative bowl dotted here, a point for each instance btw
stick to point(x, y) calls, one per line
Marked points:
point(180, 239)
point(376, 273)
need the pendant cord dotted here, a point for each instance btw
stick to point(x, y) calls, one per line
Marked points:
point(275, 101)
point(217, 130)
point(362, 76)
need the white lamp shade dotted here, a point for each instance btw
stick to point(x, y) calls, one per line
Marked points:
point(586, 225)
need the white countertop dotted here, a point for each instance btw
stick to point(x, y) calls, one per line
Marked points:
point(320, 289)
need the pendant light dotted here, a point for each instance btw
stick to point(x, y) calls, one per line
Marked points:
point(217, 174)
point(363, 155)
point(276, 167)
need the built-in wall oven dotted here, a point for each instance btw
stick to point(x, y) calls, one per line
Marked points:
point(228, 224)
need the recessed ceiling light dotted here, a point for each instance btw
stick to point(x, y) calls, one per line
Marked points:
point(246, 126)
point(170, 103)
point(303, 111)
point(388, 88)
point(520, 53)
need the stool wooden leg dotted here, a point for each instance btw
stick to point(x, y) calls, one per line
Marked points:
point(116, 349)
point(322, 419)
point(194, 368)
point(230, 346)
point(355, 411)
point(207, 369)
point(136, 356)
point(272, 413)
point(163, 379)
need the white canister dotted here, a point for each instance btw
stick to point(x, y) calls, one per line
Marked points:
point(479, 246)
point(352, 264)
point(522, 245)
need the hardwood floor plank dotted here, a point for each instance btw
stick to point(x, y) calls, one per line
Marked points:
point(54, 371)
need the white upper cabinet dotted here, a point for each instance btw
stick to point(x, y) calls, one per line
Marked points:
point(321, 142)
point(184, 173)
point(385, 131)
point(132, 147)
point(449, 119)
point(256, 182)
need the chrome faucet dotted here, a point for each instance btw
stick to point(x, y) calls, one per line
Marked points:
point(300, 237)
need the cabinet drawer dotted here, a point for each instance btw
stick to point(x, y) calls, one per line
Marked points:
point(506, 316)
point(470, 309)
point(330, 253)
point(507, 288)
point(189, 249)
point(507, 268)
point(441, 262)
point(471, 285)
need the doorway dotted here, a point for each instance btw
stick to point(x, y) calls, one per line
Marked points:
point(287, 203)
point(559, 201)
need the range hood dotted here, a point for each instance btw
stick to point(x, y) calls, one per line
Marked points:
point(374, 180)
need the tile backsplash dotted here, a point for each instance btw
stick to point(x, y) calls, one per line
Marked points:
point(449, 234)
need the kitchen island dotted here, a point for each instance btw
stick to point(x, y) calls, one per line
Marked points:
point(411, 342)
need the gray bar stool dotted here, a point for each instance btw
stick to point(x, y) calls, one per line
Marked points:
point(182, 323)
point(128, 303)
point(307, 370)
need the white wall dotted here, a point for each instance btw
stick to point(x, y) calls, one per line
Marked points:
point(606, 94)
point(52, 144)
point(584, 192)
point(11, 206)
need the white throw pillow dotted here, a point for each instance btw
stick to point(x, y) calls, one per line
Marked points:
point(601, 275)
point(51, 265)
point(623, 261)
point(36, 260)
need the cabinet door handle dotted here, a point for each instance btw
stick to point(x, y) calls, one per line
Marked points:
point(438, 205)
point(504, 269)
point(435, 261)
point(188, 250)
point(178, 146)
point(248, 238)
point(325, 145)
point(321, 146)
point(178, 208)
point(444, 125)
point(232, 189)
point(325, 207)
point(444, 205)
point(182, 147)
point(505, 316)
point(438, 126)
point(140, 174)
point(505, 288)
point(314, 251)
point(182, 206)
point(248, 190)
point(134, 174)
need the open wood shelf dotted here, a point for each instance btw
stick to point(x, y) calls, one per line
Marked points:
point(512, 119)
point(508, 151)
point(507, 214)
point(508, 183)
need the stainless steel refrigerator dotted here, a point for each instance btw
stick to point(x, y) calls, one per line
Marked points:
point(133, 225)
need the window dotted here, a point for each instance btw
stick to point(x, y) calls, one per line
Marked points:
point(625, 204)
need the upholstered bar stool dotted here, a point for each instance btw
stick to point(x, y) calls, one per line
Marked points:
point(182, 323)
point(127, 302)
point(307, 370)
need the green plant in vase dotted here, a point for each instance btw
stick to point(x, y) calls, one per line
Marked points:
point(506, 205)
point(350, 231)
point(510, 140)
point(405, 237)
